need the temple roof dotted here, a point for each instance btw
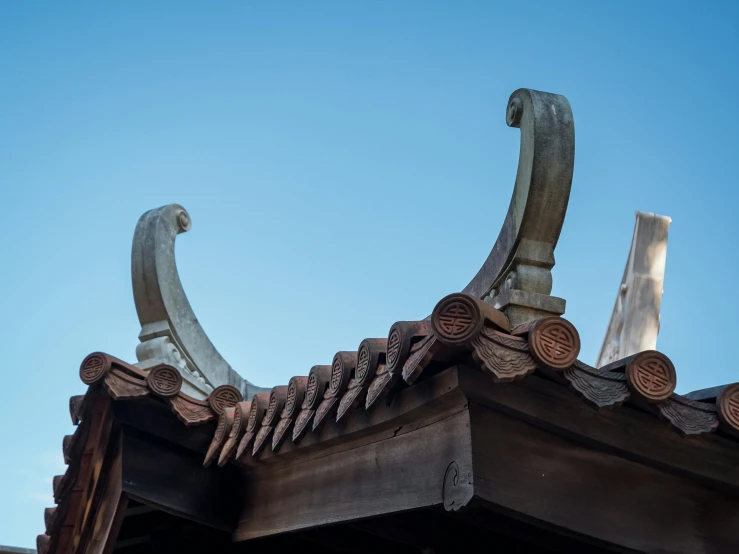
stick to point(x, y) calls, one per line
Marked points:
point(497, 357)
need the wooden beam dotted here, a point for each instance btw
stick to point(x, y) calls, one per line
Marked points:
point(526, 470)
point(626, 431)
point(399, 473)
point(173, 479)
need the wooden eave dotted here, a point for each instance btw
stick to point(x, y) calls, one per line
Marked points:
point(470, 417)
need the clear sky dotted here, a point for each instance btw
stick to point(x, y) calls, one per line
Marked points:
point(345, 165)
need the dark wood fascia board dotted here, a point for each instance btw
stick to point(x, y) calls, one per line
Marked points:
point(558, 482)
point(421, 404)
point(153, 417)
point(625, 431)
point(172, 478)
point(382, 477)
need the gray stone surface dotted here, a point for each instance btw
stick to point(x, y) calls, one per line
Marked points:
point(170, 332)
point(523, 255)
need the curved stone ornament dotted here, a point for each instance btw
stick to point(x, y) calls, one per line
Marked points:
point(170, 332)
point(516, 276)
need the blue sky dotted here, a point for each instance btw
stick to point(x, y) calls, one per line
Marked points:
point(345, 164)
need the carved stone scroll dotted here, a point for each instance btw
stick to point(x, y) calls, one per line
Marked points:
point(371, 355)
point(277, 399)
point(170, 332)
point(241, 414)
point(650, 375)
point(689, 417)
point(516, 276)
point(295, 396)
point(599, 387)
point(318, 382)
point(225, 422)
point(342, 369)
point(403, 336)
point(259, 404)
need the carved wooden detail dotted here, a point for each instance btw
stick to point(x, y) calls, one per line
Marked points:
point(122, 385)
point(317, 386)
point(49, 515)
point(94, 367)
point(728, 408)
point(225, 422)
point(649, 374)
point(276, 405)
point(371, 355)
point(505, 356)
point(164, 381)
point(191, 411)
point(342, 368)
point(554, 343)
point(421, 355)
point(43, 544)
point(225, 396)
point(295, 396)
point(403, 336)
point(75, 408)
point(689, 417)
point(257, 409)
point(458, 318)
point(56, 484)
point(67, 447)
point(599, 387)
point(240, 416)
point(652, 375)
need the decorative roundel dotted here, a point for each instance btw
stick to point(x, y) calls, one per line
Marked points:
point(292, 395)
point(253, 411)
point(393, 348)
point(312, 389)
point(363, 362)
point(456, 319)
point(728, 406)
point(164, 381)
point(337, 375)
point(652, 375)
point(224, 397)
point(93, 368)
point(555, 343)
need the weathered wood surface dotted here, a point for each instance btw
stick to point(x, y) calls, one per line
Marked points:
point(396, 474)
point(533, 472)
point(627, 431)
point(172, 479)
point(634, 323)
point(427, 401)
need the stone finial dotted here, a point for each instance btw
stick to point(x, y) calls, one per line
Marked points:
point(170, 332)
point(516, 277)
